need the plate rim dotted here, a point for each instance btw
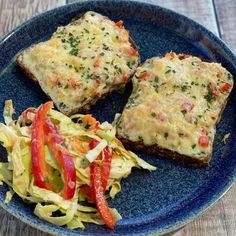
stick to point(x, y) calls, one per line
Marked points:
point(208, 204)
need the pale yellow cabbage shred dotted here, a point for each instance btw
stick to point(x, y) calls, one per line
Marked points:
point(17, 173)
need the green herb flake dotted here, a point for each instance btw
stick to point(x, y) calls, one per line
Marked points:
point(168, 71)
point(120, 70)
point(62, 105)
point(184, 88)
point(193, 146)
point(74, 51)
point(153, 114)
point(166, 135)
point(229, 76)
point(210, 96)
point(184, 112)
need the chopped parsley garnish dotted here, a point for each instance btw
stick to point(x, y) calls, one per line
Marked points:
point(184, 88)
point(90, 77)
point(184, 112)
point(166, 135)
point(153, 114)
point(74, 51)
point(229, 76)
point(84, 99)
point(119, 70)
point(168, 71)
point(193, 146)
point(62, 105)
point(210, 96)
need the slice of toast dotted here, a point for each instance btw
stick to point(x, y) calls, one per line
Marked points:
point(174, 107)
point(82, 62)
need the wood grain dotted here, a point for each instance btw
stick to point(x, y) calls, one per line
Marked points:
point(226, 16)
point(221, 218)
point(13, 12)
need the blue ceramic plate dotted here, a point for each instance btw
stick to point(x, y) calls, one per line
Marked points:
point(170, 197)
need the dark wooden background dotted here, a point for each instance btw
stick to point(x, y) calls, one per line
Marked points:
point(219, 16)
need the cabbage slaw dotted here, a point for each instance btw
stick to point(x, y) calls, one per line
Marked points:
point(15, 136)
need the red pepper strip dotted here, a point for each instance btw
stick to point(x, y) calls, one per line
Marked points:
point(88, 192)
point(39, 166)
point(106, 166)
point(101, 203)
point(54, 140)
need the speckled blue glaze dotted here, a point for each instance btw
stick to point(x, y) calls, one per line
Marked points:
point(150, 203)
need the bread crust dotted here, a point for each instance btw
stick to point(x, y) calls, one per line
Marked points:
point(157, 150)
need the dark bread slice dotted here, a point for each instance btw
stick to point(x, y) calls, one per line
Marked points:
point(155, 149)
point(31, 76)
point(87, 106)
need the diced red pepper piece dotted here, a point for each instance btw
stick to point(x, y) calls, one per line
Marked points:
point(225, 87)
point(97, 62)
point(146, 75)
point(187, 105)
point(203, 141)
point(101, 203)
point(214, 90)
point(132, 52)
point(65, 160)
point(39, 166)
point(119, 23)
point(161, 117)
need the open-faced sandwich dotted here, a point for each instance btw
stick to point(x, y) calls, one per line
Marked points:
point(82, 62)
point(174, 107)
point(67, 166)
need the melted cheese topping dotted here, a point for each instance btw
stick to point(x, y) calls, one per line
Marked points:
point(176, 103)
point(82, 61)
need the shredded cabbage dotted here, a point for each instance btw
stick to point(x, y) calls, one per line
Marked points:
point(15, 136)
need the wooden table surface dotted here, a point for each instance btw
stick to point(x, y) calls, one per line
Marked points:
point(219, 16)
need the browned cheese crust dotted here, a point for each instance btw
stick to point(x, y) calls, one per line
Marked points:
point(131, 111)
point(78, 109)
